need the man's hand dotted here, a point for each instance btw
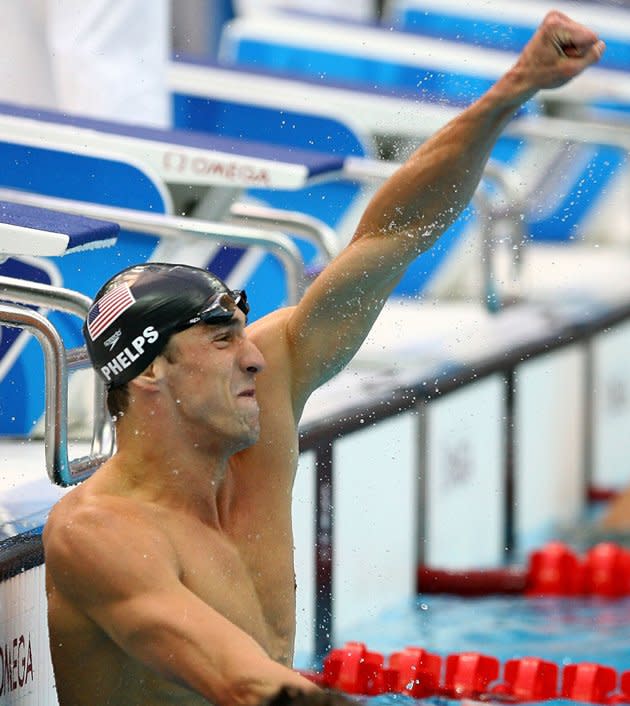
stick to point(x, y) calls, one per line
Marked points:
point(559, 50)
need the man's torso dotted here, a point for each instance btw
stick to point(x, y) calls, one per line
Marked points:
point(256, 595)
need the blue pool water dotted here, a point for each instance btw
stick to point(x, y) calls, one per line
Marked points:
point(400, 700)
point(560, 630)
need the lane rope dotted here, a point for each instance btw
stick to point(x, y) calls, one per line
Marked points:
point(355, 670)
point(553, 570)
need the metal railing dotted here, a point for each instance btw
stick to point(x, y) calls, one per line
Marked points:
point(60, 470)
point(278, 244)
point(72, 302)
point(318, 232)
point(491, 216)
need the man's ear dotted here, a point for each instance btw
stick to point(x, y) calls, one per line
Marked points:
point(150, 378)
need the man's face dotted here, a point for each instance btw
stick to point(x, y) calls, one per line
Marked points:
point(210, 375)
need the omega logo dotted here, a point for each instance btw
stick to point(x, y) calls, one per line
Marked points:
point(16, 664)
point(199, 165)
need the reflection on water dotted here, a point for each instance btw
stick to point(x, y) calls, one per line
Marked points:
point(561, 630)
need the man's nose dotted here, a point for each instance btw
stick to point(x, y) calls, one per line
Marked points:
point(252, 360)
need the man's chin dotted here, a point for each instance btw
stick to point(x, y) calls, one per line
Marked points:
point(254, 435)
point(251, 435)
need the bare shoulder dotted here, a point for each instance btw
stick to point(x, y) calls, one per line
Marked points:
point(69, 516)
point(84, 517)
point(89, 534)
point(617, 515)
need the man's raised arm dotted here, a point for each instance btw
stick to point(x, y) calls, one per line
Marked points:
point(420, 201)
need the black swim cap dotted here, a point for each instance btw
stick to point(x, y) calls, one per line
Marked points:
point(135, 313)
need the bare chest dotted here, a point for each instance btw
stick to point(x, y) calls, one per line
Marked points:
point(248, 584)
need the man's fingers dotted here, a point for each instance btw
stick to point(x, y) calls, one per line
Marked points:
point(590, 50)
point(565, 48)
point(573, 51)
point(588, 55)
point(598, 49)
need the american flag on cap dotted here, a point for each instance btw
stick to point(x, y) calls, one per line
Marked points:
point(107, 309)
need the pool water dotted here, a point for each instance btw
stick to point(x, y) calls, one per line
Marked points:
point(560, 630)
point(401, 700)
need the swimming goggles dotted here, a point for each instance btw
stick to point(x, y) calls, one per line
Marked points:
point(220, 308)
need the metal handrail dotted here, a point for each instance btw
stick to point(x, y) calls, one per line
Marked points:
point(166, 226)
point(590, 132)
point(365, 169)
point(318, 232)
point(28, 292)
point(60, 470)
point(490, 215)
point(72, 302)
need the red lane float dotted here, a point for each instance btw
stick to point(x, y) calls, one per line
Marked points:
point(469, 675)
point(355, 670)
point(415, 672)
point(553, 570)
point(601, 495)
point(588, 682)
point(529, 679)
point(471, 583)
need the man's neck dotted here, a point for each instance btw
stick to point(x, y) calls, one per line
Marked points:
point(169, 471)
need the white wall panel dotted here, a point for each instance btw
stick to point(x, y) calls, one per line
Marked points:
point(549, 459)
point(374, 498)
point(611, 408)
point(464, 485)
point(304, 542)
point(26, 669)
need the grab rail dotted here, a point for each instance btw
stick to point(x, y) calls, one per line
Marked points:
point(72, 302)
point(60, 470)
point(490, 217)
point(299, 223)
point(597, 132)
point(278, 244)
point(28, 292)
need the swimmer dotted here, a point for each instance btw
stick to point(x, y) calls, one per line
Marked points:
point(615, 519)
point(170, 570)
